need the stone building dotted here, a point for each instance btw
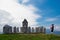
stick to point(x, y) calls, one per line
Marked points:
point(42, 30)
point(15, 30)
point(24, 27)
point(37, 29)
point(33, 30)
point(29, 29)
point(7, 29)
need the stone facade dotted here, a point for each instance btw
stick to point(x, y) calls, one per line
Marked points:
point(40, 30)
point(37, 29)
point(23, 29)
point(29, 29)
point(24, 26)
point(7, 29)
point(32, 30)
point(15, 30)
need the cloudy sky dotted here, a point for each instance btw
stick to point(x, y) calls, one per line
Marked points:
point(37, 12)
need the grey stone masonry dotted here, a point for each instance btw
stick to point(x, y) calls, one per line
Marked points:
point(7, 29)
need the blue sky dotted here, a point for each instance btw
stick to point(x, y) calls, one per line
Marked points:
point(49, 10)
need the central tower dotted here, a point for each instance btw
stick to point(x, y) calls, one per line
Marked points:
point(25, 23)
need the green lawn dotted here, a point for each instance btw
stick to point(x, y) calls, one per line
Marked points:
point(29, 37)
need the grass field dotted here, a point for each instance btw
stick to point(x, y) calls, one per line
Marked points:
point(29, 37)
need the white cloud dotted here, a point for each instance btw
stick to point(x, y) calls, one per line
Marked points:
point(51, 19)
point(57, 27)
point(19, 12)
